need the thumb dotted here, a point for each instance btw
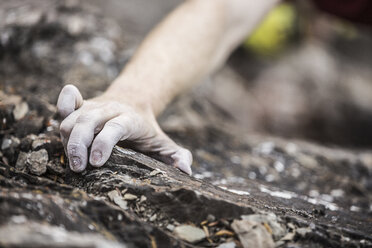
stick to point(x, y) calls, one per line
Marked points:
point(69, 100)
point(180, 157)
point(182, 160)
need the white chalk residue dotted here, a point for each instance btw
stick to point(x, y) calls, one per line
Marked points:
point(316, 201)
point(289, 195)
point(125, 151)
point(235, 191)
point(281, 194)
point(205, 174)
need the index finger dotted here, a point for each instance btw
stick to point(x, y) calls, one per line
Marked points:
point(69, 100)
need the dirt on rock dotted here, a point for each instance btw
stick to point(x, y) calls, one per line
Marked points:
point(246, 187)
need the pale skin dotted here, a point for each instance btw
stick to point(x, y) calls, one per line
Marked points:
point(189, 44)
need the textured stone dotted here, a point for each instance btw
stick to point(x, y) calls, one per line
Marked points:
point(129, 197)
point(49, 236)
point(252, 234)
point(271, 219)
point(37, 162)
point(189, 233)
point(227, 245)
point(20, 111)
point(21, 161)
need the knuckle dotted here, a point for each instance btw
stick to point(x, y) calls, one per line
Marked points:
point(85, 117)
point(101, 143)
point(72, 148)
point(111, 105)
point(63, 110)
point(115, 125)
point(65, 129)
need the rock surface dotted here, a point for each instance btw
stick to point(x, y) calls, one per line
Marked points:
point(176, 199)
point(296, 193)
point(38, 235)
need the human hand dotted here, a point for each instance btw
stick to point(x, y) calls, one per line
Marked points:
point(102, 122)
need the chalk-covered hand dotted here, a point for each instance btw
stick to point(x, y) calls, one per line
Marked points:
point(101, 122)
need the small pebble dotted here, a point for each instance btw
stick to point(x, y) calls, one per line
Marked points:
point(170, 227)
point(211, 218)
point(112, 194)
point(129, 197)
point(37, 162)
point(153, 218)
point(20, 111)
point(21, 161)
point(155, 172)
point(142, 199)
point(121, 202)
point(227, 245)
point(189, 233)
point(6, 144)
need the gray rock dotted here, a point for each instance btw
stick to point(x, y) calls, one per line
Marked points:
point(21, 161)
point(11, 142)
point(303, 231)
point(153, 218)
point(271, 219)
point(289, 236)
point(6, 144)
point(227, 245)
point(189, 233)
point(44, 235)
point(143, 199)
point(20, 110)
point(170, 227)
point(252, 234)
point(112, 194)
point(155, 172)
point(115, 197)
point(38, 142)
point(55, 168)
point(37, 162)
point(211, 218)
point(121, 202)
point(130, 197)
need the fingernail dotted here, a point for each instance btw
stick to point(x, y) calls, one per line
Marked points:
point(76, 163)
point(96, 157)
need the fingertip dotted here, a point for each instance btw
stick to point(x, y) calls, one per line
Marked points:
point(185, 168)
point(77, 155)
point(183, 160)
point(69, 100)
point(96, 158)
point(76, 164)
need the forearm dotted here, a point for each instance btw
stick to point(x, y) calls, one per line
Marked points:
point(188, 45)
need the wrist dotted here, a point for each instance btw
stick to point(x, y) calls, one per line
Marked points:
point(141, 92)
point(127, 92)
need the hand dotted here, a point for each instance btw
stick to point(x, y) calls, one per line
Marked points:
point(101, 122)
